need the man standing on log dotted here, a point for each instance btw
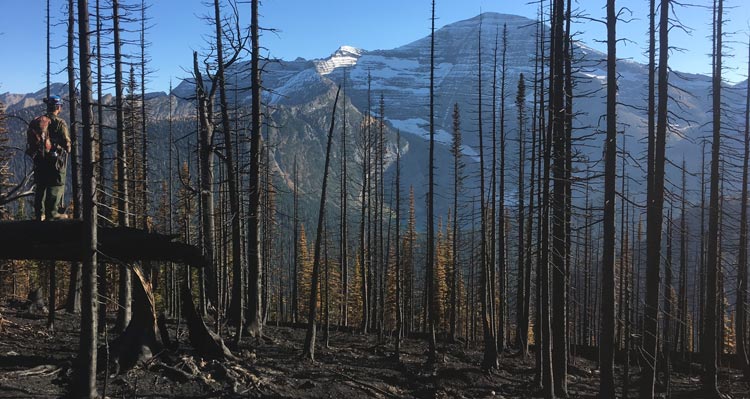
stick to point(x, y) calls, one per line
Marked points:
point(48, 145)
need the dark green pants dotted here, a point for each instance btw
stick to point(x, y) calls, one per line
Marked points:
point(48, 201)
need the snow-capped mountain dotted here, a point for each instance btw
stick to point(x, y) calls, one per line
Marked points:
point(299, 94)
point(345, 56)
point(401, 77)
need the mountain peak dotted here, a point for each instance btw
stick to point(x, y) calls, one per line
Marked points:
point(344, 56)
point(348, 51)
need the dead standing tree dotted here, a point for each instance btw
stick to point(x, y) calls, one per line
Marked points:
point(238, 292)
point(489, 360)
point(123, 206)
point(655, 188)
point(309, 350)
point(742, 359)
point(206, 94)
point(558, 144)
point(254, 321)
point(710, 353)
point(85, 375)
point(607, 333)
point(74, 291)
point(430, 266)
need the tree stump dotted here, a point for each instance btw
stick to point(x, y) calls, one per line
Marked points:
point(207, 343)
point(142, 339)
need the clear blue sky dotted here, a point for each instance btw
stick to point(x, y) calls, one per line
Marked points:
point(314, 29)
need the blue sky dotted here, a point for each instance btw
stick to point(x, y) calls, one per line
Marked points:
point(314, 29)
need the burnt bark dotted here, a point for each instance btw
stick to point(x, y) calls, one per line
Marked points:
point(309, 349)
point(85, 372)
point(607, 333)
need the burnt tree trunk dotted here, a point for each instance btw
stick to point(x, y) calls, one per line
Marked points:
point(559, 242)
point(85, 373)
point(234, 203)
point(309, 349)
point(606, 338)
point(742, 257)
point(123, 208)
point(430, 266)
point(254, 264)
point(654, 212)
point(74, 289)
point(710, 353)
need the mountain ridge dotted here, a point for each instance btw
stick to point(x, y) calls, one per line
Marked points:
point(401, 77)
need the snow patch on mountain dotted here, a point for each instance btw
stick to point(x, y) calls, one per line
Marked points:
point(420, 127)
point(296, 84)
point(345, 56)
point(597, 74)
point(405, 76)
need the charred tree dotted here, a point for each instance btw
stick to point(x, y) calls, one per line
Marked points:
point(522, 321)
point(125, 298)
point(489, 360)
point(399, 273)
point(84, 385)
point(254, 320)
point(607, 333)
point(309, 349)
point(457, 181)
point(295, 261)
point(343, 245)
point(430, 266)
point(74, 289)
point(501, 222)
point(742, 257)
point(710, 353)
point(238, 292)
point(655, 199)
point(205, 101)
point(558, 146)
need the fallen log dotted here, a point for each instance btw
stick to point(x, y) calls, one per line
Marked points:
point(62, 240)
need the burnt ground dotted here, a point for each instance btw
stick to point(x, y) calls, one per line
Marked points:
point(35, 363)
